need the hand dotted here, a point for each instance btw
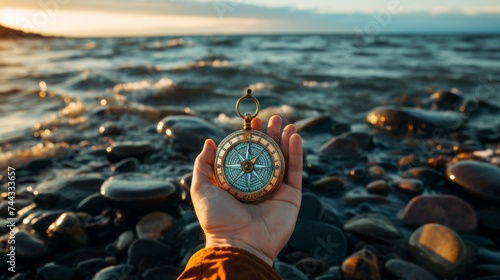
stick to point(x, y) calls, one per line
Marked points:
point(264, 228)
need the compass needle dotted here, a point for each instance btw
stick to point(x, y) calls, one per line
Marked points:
point(247, 156)
point(234, 166)
point(259, 166)
point(249, 179)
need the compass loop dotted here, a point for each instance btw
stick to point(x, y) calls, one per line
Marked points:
point(248, 95)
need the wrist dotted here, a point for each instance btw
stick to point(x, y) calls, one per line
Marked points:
point(228, 242)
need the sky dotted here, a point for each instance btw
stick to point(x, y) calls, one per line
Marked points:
point(103, 18)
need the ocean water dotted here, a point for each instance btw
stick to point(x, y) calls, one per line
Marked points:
point(294, 75)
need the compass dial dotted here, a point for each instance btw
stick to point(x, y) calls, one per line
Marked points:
point(249, 165)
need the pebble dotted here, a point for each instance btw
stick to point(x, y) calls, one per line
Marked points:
point(152, 225)
point(109, 128)
point(90, 267)
point(341, 147)
point(188, 131)
point(121, 271)
point(19, 202)
point(186, 187)
point(364, 140)
point(362, 265)
point(330, 185)
point(325, 242)
point(140, 192)
point(93, 204)
point(376, 172)
point(446, 100)
point(402, 120)
point(146, 253)
point(377, 187)
point(320, 124)
point(311, 207)
point(66, 192)
point(167, 272)
point(311, 266)
point(447, 210)
point(487, 270)
point(68, 229)
point(489, 257)
point(441, 251)
point(410, 186)
point(400, 269)
point(28, 247)
point(41, 220)
point(124, 240)
point(53, 271)
point(126, 166)
point(477, 178)
point(289, 272)
point(428, 176)
point(122, 150)
point(374, 227)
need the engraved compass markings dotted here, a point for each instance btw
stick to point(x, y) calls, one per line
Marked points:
point(249, 179)
point(239, 155)
point(234, 166)
point(260, 166)
point(247, 156)
point(239, 175)
point(258, 177)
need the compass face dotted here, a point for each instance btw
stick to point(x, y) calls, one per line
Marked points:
point(249, 165)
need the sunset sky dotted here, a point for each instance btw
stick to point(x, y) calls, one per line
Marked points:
point(177, 17)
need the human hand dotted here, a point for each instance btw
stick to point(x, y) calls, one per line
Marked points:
point(264, 228)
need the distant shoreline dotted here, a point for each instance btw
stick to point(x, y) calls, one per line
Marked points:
point(10, 33)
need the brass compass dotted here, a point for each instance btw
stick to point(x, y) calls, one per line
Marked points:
point(249, 164)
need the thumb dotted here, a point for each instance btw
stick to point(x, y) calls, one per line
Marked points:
point(203, 171)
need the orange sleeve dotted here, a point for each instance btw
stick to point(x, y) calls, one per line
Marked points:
point(227, 263)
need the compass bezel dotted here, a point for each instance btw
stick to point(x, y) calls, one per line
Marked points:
point(271, 147)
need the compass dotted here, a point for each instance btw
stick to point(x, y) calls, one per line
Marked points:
point(249, 164)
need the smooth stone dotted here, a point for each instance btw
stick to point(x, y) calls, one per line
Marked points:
point(19, 203)
point(68, 229)
point(146, 253)
point(364, 140)
point(362, 265)
point(477, 178)
point(447, 210)
point(127, 165)
point(162, 273)
point(330, 185)
point(311, 266)
point(351, 200)
point(67, 192)
point(378, 187)
point(189, 237)
point(428, 176)
point(374, 227)
point(376, 172)
point(311, 208)
point(402, 120)
point(122, 150)
point(38, 165)
point(186, 187)
point(487, 270)
point(411, 186)
point(489, 219)
point(325, 242)
point(446, 100)
point(188, 131)
point(488, 256)
point(319, 124)
point(357, 174)
point(404, 270)
point(109, 128)
point(28, 247)
point(90, 267)
point(53, 271)
point(93, 204)
point(124, 240)
point(289, 272)
point(409, 161)
point(152, 225)
point(121, 271)
point(341, 147)
point(40, 221)
point(441, 251)
point(140, 192)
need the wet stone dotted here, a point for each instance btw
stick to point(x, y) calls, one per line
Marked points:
point(428, 176)
point(188, 131)
point(186, 186)
point(441, 251)
point(127, 165)
point(364, 140)
point(341, 147)
point(477, 178)
point(447, 210)
point(121, 271)
point(289, 272)
point(311, 266)
point(317, 238)
point(400, 269)
point(27, 246)
point(153, 224)
point(90, 267)
point(489, 257)
point(68, 229)
point(140, 192)
point(53, 271)
point(489, 219)
point(40, 221)
point(487, 270)
point(374, 227)
point(146, 253)
point(378, 187)
point(109, 128)
point(410, 186)
point(19, 203)
point(446, 100)
point(402, 120)
point(320, 124)
point(124, 240)
point(362, 265)
point(376, 172)
point(67, 192)
point(331, 185)
point(311, 208)
point(122, 150)
point(93, 204)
